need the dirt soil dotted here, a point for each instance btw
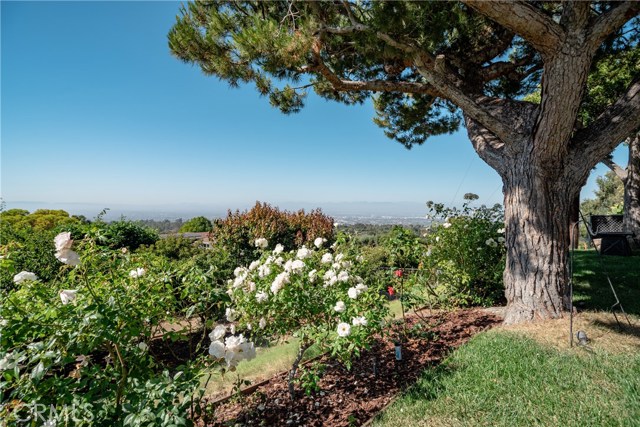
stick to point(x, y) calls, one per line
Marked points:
point(352, 397)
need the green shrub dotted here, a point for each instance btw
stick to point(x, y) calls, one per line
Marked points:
point(466, 254)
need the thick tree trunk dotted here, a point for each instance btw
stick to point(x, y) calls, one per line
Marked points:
point(537, 218)
point(632, 189)
point(574, 221)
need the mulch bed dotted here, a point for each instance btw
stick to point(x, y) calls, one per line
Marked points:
point(352, 397)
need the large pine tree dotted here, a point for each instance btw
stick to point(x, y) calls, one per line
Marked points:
point(431, 67)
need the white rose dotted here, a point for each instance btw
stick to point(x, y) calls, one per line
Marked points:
point(218, 332)
point(263, 323)
point(217, 350)
point(138, 272)
point(68, 295)
point(344, 329)
point(231, 314)
point(327, 258)
point(67, 256)
point(278, 249)
point(24, 275)
point(340, 307)
point(63, 241)
point(359, 321)
point(303, 253)
point(319, 241)
point(353, 293)
point(262, 296)
point(261, 243)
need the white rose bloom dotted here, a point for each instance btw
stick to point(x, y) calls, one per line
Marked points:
point(303, 253)
point(251, 286)
point(500, 239)
point(297, 266)
point(334, 246)
point(501, 231)
point(319, 242)
point(240, 271)
point(24, 275)
point(143, 346)
point(280, 280)
point(264, 271)
point(238, 281)
point(446, 225)
point(343, 276)
point(329, 274)
point(63, 241)
point(340, 307)
point(437, 238)
point(255, 264)
point(344, 329)
point(347, 264)
point(69, 257)
point(218, 333)
point(138, 272)
point(339, 257)
point(327, 258)
point(361, 287)
point(312, 275)
point(359, 321)
point(353, 293)
point(491, 242)
point(278, 249)
point(261, 243)
point(279, 261)
point(248, 350)
point(332, 281)
point(68, 295)
point(262, 296)
point(263, 323)
point(287, 266)
point(217, 350)
point(231, 314)
point(336, 265)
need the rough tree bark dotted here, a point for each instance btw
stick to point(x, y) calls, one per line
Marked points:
point(632, 188)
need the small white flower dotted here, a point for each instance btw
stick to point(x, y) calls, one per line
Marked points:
point(216, 349)
point(343, 276)
point(279, 261)
point(63, 241)
point(262, 296)
point(329, 274)
point(231, 314)
point(319, 241)
point(218, 332)
point(437, 238)
point(339, 257)
point(255, 264)
point(264, 271)
point(361, 287)
point(353, 293)
point(263, 323)
point(280, 280)
point(297, 266)
point(359, 321)
point(24, 275)
point(344, 329)
point(68, 295)
point(327, 258)
point(340, 307)
point(278, 249)
point(446, 225)
point(500, 239)
point(261, 243)
point(240, 271)
point(501, 231)
point(491, 242)
point(312, 275)
point(303, 253)
point(138, 272)
point(67, 256)
point(143, 346)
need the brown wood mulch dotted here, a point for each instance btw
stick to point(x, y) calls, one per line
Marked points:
point(353, 397)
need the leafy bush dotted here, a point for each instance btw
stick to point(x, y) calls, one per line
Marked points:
point(466, 254)
point(83, 342)
point(175, 248)
point(315, 294)
point(41, 219)
point(198, 224)
point(237, 232)
point(126, 234)
point(404, 248)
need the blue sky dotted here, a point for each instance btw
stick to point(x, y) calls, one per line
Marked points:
point(95, 110)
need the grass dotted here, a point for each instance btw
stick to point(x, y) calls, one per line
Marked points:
point(268, 362)
point(503, 378)
point(591, 289)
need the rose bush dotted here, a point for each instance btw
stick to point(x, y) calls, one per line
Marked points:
point(466, 254)
point(315, 293)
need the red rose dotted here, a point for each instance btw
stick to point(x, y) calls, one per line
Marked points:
point(391, 291)
point(398, 273)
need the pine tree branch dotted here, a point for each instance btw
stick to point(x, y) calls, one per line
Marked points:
point(610, 128)
point(523, 19)
point(503, 68)
point(611, 21)
point(620, 173)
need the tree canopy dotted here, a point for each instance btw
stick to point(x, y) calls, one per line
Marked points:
point(198, 224)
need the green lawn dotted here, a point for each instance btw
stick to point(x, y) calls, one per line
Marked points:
point(591, 289)
point(506, 379)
